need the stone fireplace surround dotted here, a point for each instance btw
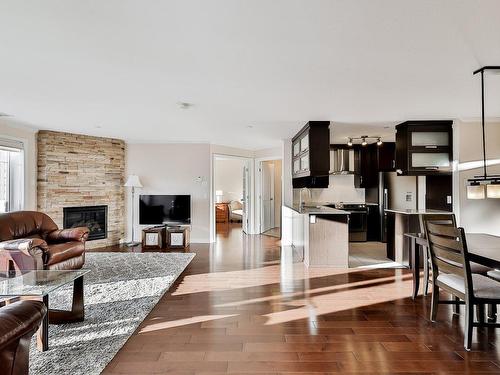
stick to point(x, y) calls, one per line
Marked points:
point(77, 170)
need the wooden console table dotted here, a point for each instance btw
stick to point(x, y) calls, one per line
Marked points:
point(222, 212)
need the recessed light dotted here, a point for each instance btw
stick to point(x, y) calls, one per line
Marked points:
point(250, 126)
point(98, 126)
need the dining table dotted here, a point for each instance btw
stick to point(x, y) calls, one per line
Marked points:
point(483, 248)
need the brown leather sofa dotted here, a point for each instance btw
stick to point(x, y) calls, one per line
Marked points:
point(18, 322)
point(30, 240)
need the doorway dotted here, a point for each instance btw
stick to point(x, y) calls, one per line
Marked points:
point(231, 195)
point(270, 197)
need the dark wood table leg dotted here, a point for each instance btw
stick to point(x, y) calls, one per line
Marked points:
point(42, 335)
point(415, 258)
point(77, 312)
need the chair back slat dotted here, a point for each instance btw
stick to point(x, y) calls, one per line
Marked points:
point(454, 260)
point(446, 267)
point(446, 239)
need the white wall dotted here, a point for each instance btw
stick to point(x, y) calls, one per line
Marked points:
point(174, 169)
point(12, 129)
point(477, 215)
point(229, 178)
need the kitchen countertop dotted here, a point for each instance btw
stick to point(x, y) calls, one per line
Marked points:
point(417, 212)
point(317, 210)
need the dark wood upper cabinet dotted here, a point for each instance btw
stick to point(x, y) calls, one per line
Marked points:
point(439, 192)
point(311, 155)
point(424, 147)
point(376, 159)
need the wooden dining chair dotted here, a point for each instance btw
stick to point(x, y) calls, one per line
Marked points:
point(451, 271)
point(443, 219)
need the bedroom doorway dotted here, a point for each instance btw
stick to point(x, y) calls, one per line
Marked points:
point(231, 190)
point(270, 172)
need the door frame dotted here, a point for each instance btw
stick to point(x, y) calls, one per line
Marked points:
point(258, 191)
point(250, 203)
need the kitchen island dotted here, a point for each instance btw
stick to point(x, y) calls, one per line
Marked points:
point(321, 232)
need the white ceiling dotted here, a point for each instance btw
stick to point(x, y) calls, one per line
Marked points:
point(119, 67)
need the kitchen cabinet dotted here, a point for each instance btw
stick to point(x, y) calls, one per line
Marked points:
point(310, 155)
point(375, 159)
point(424, 148)
point(311, 182)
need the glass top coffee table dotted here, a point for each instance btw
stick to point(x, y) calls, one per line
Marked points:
point(38, 284)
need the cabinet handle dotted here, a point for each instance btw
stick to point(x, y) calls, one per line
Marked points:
point(432, 168)
point(431, 146)
point(394, 163)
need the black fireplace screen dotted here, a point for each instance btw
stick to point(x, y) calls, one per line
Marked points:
point(93, 217)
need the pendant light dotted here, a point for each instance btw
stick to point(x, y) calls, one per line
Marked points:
point(493, 190)
point(481, 187)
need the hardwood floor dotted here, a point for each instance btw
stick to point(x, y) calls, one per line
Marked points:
point(240, 307)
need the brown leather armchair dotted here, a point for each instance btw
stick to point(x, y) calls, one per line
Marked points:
point(30, 240)
point(18, 322)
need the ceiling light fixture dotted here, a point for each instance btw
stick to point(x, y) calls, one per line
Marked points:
point(481, 187)
point(363, 139)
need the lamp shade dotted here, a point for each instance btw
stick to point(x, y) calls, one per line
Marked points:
point(133, 181)
point(476, 192)
point(493, 190)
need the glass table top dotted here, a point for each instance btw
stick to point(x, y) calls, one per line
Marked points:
point(36, 283)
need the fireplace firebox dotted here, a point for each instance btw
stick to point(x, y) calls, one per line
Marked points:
point(93, 217)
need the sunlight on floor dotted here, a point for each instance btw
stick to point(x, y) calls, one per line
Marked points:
point(183, 322)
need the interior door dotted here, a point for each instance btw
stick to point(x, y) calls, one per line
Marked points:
point(267, 197)
point(246, 193)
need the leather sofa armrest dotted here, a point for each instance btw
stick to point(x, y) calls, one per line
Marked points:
point(19, 319)
point(26, 245)
point(65, 235)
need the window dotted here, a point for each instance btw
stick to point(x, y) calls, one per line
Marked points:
point(11, 175)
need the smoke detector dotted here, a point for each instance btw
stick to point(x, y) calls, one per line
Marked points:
point(184, 105)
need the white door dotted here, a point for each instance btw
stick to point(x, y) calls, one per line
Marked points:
point(267, 197)
point(246, 194)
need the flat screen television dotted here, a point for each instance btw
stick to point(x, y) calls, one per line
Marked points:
point(164, 209)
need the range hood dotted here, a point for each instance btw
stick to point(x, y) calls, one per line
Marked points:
point(344, 161)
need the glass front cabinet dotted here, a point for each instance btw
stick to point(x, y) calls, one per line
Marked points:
point(424, 147)
point(310, 155)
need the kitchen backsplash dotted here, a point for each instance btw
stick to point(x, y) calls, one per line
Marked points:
point(341, 189)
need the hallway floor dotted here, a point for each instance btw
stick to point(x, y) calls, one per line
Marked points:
point(243, 307)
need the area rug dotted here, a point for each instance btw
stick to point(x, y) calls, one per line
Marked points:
point(120, 290)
